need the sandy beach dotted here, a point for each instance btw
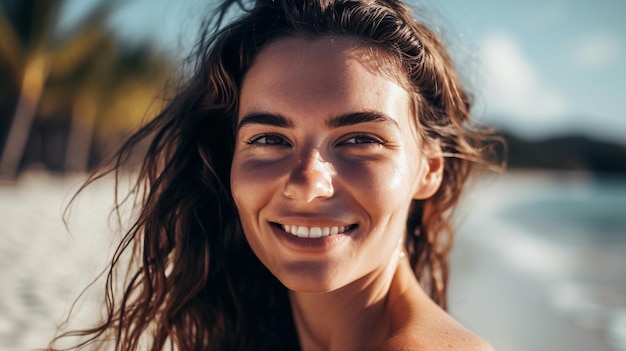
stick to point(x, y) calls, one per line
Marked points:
point(512, 288)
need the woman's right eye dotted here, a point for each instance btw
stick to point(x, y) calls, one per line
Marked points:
point(268, 139)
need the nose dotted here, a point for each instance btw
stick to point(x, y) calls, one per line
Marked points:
point(311, 178)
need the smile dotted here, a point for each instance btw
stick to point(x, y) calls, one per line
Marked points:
point(315, 232)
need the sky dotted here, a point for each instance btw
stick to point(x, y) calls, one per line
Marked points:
point(536, 68)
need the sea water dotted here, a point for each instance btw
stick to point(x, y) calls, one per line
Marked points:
point(583, 222)
point(566, 234)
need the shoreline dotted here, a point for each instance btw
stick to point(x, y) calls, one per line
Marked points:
point(521, 289)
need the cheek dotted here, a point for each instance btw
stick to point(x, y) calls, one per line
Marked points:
point(252, 183)
point(383, 190)
point(250, 191)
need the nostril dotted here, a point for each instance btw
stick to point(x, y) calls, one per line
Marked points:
point(310, 180)
point(307, 190)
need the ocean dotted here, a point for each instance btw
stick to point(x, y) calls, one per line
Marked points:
point(560, 240)
point(539, 261)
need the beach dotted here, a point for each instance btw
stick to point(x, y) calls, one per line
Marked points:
point(523, 277)
point(532, 270)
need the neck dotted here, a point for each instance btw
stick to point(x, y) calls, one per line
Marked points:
point(350, 318)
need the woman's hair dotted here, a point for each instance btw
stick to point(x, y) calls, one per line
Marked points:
point(192, 281)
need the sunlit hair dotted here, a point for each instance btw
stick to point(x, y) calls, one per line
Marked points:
point(194, 283)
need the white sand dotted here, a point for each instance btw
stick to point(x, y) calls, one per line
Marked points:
point(43, 267)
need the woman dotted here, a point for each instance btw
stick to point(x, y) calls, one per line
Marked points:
point(296, 192)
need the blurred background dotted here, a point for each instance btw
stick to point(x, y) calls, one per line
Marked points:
point(540, 258)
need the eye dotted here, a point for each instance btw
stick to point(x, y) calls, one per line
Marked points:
point(363, 139)
point(268, 139)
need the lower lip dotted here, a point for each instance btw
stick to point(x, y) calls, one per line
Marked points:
point(313, 245)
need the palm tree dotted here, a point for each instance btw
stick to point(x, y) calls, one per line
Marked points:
point(129, 94)
point(74, 88)
point(27, 55)
point(114, 92)
point(28, 49)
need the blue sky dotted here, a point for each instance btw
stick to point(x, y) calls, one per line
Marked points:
point(535, 67)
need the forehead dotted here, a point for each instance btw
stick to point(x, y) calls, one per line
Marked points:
point(324, 70)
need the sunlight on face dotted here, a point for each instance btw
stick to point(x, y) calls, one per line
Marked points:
point(326, 162)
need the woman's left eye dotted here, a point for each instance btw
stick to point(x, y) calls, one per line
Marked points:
point(363, 139)
point(268, 139)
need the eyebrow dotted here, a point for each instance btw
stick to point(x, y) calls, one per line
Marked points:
point(352, 118)
point(265, 119)
point(344, 120)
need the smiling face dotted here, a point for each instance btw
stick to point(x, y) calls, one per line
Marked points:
point(326, 162)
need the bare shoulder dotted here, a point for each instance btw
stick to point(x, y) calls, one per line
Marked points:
point(448, 334)
point(440, 338)
point(417, 323)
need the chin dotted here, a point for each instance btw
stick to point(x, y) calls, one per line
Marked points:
point(310, 278)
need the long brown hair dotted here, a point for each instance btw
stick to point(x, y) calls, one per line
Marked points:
point(193, 282)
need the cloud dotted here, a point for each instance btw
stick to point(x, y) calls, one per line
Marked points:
point(594, 51)
point(513, 87)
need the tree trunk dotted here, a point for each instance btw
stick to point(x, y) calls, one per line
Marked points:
point(35, 74)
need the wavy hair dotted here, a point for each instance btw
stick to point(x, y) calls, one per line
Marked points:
point(192, 281)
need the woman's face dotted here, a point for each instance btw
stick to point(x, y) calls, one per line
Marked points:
point(326, 162)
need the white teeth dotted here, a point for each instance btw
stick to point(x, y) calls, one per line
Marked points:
point(303, 232)
point(313, 232)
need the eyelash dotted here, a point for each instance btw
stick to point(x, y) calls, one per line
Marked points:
point(280, 141)
point(256, 140)
point(370, 139)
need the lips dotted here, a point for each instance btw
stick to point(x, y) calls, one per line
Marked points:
point(315, 232)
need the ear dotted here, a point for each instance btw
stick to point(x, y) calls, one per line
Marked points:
point(430, 178)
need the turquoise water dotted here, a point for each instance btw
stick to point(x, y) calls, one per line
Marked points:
point(593, 212)
point(567, 233)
